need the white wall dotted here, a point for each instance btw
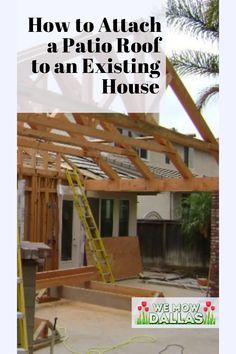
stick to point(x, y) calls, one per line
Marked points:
point(160, 203)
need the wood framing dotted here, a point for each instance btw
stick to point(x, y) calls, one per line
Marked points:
point(72, 276)
point(162, 185)
point(98, 135)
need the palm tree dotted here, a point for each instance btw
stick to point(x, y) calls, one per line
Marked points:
point(196, 214)
point(199, 18)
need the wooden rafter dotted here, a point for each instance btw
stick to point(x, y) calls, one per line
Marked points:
point(41, 146)
point(79, 129)
point(98, 159)
point(120, 120)
point(172, 153)
point(136, 160)
point(48, 136)
point(190, 107)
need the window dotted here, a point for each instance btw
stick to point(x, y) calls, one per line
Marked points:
point(67, 227)
point(124, 218)
point(106, 217)
point(94, 205)
point(188, 156)
point(143, 153)
point(167, 160)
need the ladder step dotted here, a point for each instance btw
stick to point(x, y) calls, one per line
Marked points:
point(18, 280)
point(92, 233)
point(20, 315)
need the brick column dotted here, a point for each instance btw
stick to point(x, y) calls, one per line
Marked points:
point(214, 288)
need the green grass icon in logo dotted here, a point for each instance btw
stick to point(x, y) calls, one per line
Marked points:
point(143, 318)
point(209, 318)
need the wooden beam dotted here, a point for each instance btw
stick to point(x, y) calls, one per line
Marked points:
point(104, 165)
point(136, 160)
point(122, 121)
point(138, 185)
point(56, 123)
point(66, 280)
point(162, 185)
point(173, 156)
point(62, 272)
point(122, 290)
point(62, 277)
point(72, 141)
point(40, 146)
point(190, 107)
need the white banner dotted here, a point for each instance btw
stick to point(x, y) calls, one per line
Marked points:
point(175, 312)
point(80, 56)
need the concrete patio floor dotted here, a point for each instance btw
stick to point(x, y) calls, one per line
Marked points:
point(96, 326)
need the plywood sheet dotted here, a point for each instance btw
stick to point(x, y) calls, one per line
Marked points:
point(124, 255)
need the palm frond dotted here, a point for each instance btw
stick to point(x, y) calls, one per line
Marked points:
point(192, 16)
point(191, 62)
point(206, 95)
point(212, 13)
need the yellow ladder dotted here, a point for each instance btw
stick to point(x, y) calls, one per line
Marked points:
point(22, 346)
point(95, 242)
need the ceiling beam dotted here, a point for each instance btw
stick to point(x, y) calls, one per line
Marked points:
point(65, 125)
point(27, 132)
point(163, 185)
point(122, 121)
point(39, 146)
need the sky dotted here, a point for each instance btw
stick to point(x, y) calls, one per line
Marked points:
point(172, 113)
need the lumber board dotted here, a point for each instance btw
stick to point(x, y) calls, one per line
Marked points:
point(122, 290)
point(102, 298)
point(122, 121)
point(80, 130)
point(63, 272)
point(74, 279)
point(31, 133)
point(124, 256)
point(71, 276)
point(209, 184)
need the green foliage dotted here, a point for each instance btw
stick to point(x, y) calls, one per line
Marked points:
point(196, 214)
point(196, 17)
point(190, 62)
point(199, 18)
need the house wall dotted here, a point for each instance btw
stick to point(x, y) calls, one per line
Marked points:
point(201, 162)
point(167, 204)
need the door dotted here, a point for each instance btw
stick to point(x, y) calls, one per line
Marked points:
point(71, 242)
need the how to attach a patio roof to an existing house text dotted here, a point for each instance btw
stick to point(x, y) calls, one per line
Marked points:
point(122, 45)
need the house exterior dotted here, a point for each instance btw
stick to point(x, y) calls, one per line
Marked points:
point(167, 205)
point(47, 212)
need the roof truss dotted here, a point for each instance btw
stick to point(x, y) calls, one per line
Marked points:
point(95, 135)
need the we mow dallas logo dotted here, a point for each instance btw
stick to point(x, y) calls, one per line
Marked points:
point(174, 312)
